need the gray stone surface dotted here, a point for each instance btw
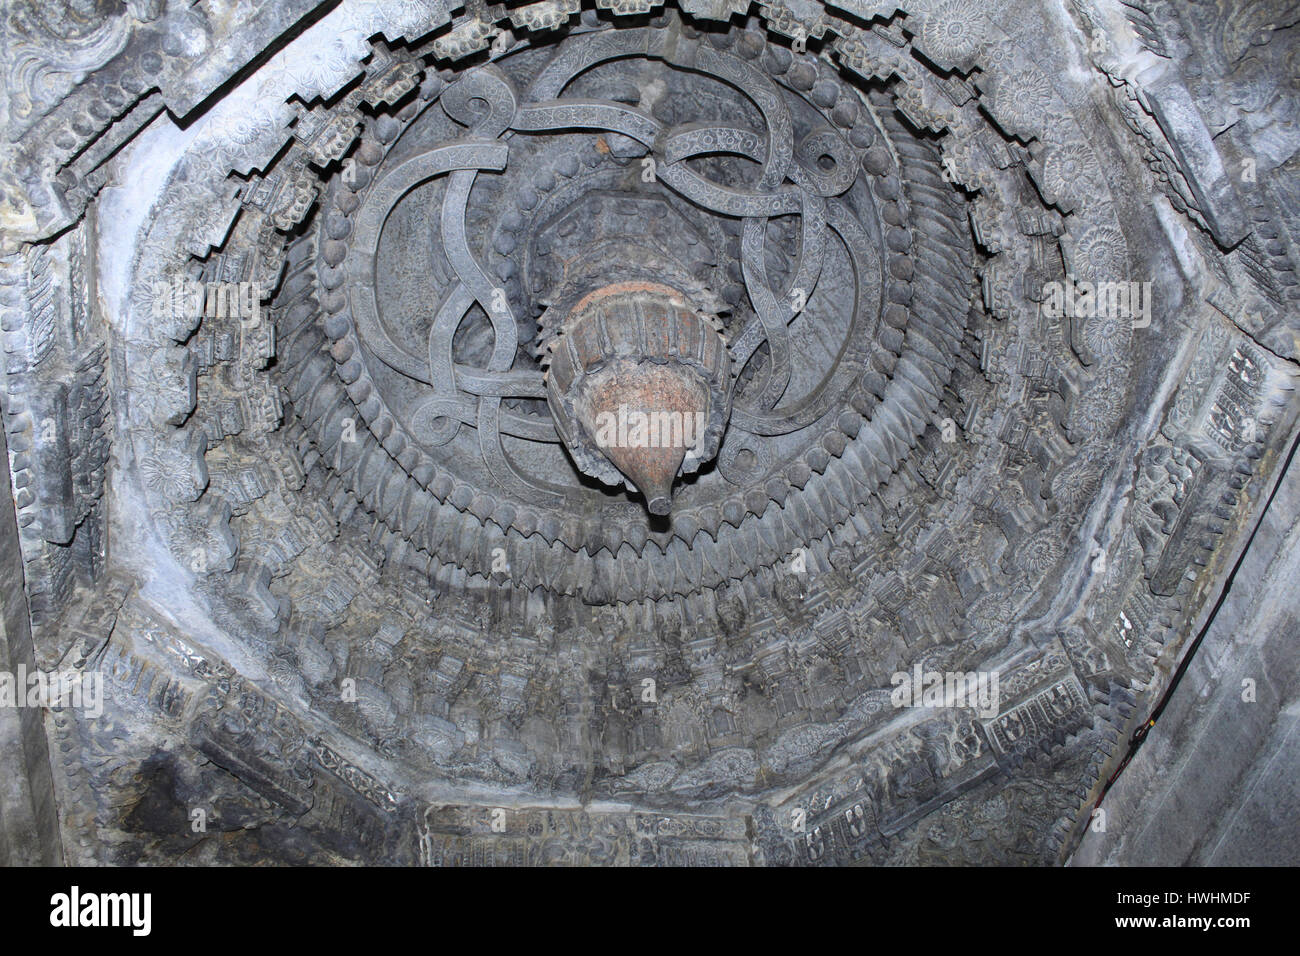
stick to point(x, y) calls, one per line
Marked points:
point(29, 820)
point(1217, 782)
point(1008, 293)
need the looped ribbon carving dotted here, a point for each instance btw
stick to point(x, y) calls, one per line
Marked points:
point(485, 102)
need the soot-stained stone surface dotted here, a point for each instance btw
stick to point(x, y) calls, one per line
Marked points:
point(983, 316)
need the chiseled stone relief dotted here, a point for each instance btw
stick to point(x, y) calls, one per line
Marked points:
point(631, 433)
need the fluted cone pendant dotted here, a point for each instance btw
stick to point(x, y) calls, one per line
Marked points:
point(639, 387)
point(644, 417)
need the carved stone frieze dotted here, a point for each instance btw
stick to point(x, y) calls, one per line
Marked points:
point(324, 337)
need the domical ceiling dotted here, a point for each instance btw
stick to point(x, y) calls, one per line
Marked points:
point(632, 433)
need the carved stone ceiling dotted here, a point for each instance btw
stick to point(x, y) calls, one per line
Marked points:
point(985, 311)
